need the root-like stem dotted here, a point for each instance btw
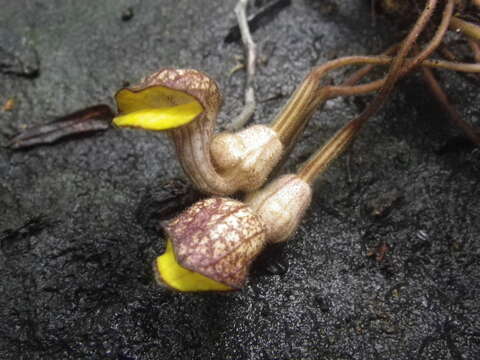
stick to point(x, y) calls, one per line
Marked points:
point(250, 52)
point(475, 46)
point(465, 27)
point(453, 114)
point(311, 94)
point(319, 162)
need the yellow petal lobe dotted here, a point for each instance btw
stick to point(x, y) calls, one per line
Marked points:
point(174, 275)
point(155, 108)
point(160, 119)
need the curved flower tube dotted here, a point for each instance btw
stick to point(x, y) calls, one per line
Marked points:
point(186, 104)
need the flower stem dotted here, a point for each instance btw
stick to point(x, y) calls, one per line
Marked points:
point(319, 162)
point(311, 94)
point(453, 114)
point(466, 27)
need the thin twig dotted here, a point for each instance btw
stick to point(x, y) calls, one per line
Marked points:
point(364, 70)
point(342, 90)
point(409, 65)
point(475, 46)
point(452, 112)
point(448, 54)
point(437, 39)
point(258, 19)
point(468, 28)
point(320, 161)
point(311, 94)
point(249, 106)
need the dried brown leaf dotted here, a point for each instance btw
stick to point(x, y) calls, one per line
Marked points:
point(88, 120)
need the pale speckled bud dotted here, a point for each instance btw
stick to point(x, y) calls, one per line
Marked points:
point(281, 205)
point(218, 238)
point(248, 156)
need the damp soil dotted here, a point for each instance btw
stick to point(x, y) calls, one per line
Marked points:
point(386, 264)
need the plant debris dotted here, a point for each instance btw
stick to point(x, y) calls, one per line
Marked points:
point(260, 18)
point(379, 252)
point(250, 51)
point(382, 205)
point(9, 105)
point(91, 119)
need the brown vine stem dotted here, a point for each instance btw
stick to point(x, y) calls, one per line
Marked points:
point(308, 96)
point(311, 94)
point(289, 123)
point(342, 90)
point(447, 54)
point(409, 65)
point(361, 73)
point(452, 112)
point(465, 27)
point(475, 46)
point(319, 162)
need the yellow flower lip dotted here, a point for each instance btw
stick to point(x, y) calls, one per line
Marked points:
point(211, 246)
point(156, 108)
point(169, 272)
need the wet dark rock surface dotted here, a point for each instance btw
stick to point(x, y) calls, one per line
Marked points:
point(386, 264)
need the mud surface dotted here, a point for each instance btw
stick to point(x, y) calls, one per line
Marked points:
point(386, 264)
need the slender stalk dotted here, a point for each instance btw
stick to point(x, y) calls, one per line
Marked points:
point(395, 68)
point(465, 27)
point(310, 94)
point(318, 163)
point(288, 127)
point(250, 49)
point(361, 73)
point(475, 46)
point(448, 55)
point(454, 66)
point(437, 38)
point(453, 114)
point(420, 58)
point(342, 90)
point(409, 64)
